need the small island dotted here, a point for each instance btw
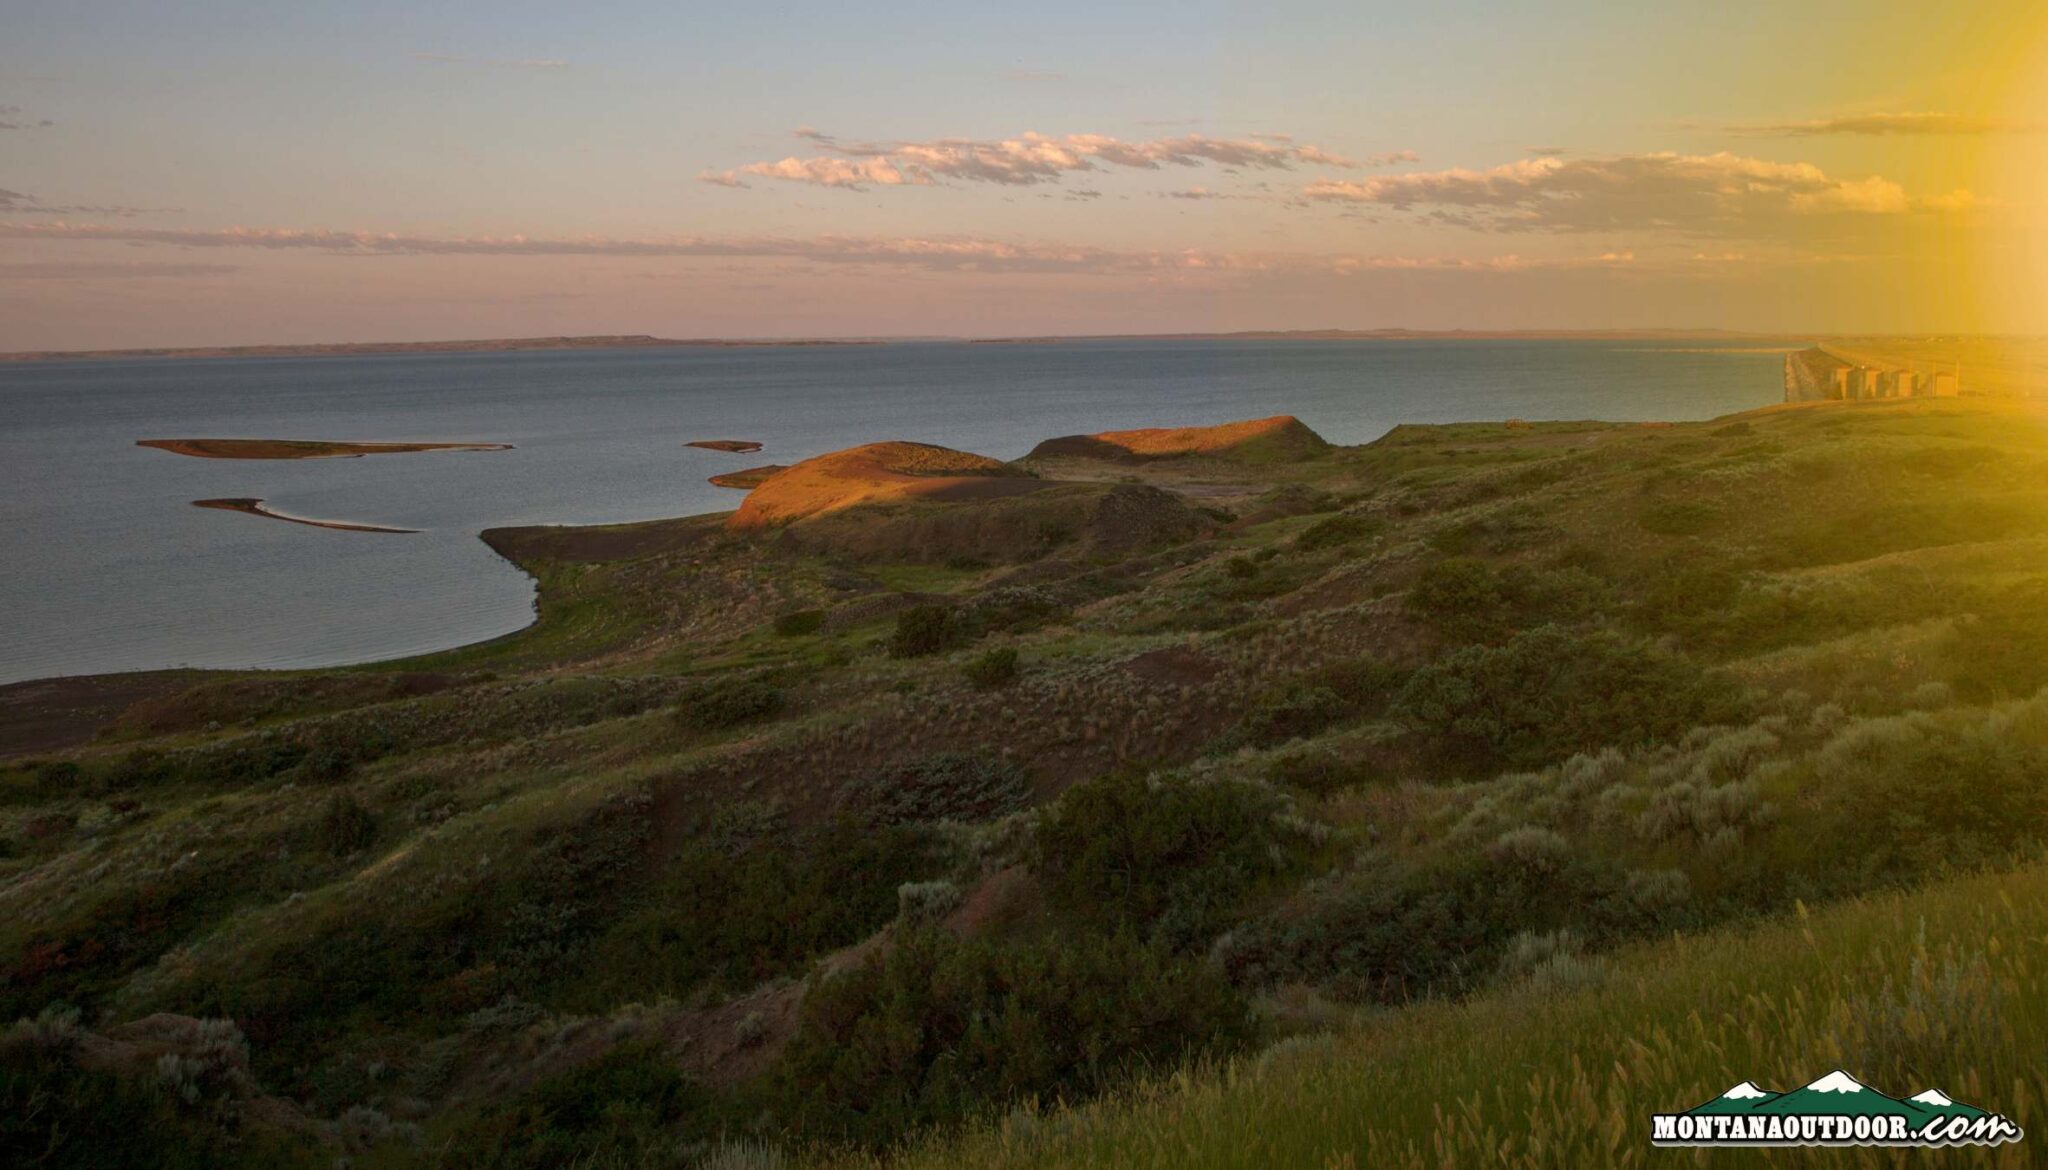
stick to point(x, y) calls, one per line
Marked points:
point(254, 507)
point(735, 446)
point(749, 479)
point(300, 448)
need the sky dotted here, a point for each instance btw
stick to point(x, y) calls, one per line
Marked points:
point(321, 171)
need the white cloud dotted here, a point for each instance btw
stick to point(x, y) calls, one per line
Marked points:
point(1715, 194)
point(1038, 158)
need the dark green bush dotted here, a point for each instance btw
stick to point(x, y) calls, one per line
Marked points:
point(1320, 772)
point(997, 668)
point(1295, 711)
point(1170, 857)
point(728, 703)
point(1467, 599)
point(628, 1108)
point(1241, 568)
point(1335, 532)
point(799, 623)
point(56, 1113)
point(1549, 693)
point(946, 786)
point(936, 1029)
point(715, 919)
point(929, 629)
point(345, 825)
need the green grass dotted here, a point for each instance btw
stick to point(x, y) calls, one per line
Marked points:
point(1945, 987)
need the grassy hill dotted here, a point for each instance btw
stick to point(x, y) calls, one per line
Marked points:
point(877, 826)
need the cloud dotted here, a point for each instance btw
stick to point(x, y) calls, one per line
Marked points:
point(721, 179)
point(11, 119)
point(99, 270)
point(492, 62)
point(16, 203)
point(1038, 158)
point(937, 253)
point(1195, 193)
point(1882, 125)
point(1717, 194)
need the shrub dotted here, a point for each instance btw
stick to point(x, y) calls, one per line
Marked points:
point(1466, 599)
point(626, 1108)
point(997, 668)
point(1296, 711)
point(920, 903)
point(345, 825)
point(929, 629)
point(1014, 607)
point(936, 1029)
point(1170, 857)
point(947, 786)
point(728, 703)
point(1335, 532)
point(1548, 694)
point(724, 921)
point(799, 623)
point(1241, 568)
point(1320, 772)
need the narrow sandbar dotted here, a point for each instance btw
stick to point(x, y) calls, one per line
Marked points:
point(735, 446)
point(749, 479)
point(254, 507)
point(301, 448)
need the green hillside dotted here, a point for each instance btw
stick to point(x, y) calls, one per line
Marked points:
point(1472, 793)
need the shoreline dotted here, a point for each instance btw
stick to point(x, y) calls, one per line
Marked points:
point(252, 506)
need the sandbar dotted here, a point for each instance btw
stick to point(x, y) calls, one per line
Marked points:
point(301, 448)
point(254, 507)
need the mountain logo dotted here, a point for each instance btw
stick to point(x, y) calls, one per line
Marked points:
point(1836, 1110)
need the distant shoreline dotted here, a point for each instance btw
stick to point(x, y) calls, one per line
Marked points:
point(644, 341)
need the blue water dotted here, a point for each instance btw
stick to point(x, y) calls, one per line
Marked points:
point(108, 567)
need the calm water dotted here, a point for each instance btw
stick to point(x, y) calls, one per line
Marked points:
point(108, 566)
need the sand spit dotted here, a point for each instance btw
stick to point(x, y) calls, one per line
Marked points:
point(736, 446)
point(254, 507)
point(749, 479)
point(301, 448)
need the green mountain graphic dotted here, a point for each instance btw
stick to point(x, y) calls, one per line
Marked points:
point(1839, 1094)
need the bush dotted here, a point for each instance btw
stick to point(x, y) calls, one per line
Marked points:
point(947, 786)
point(345, 825)
point(929, 629)
point(936, 1029)
point(1241, 568)
point(799, 623)
point(1296, 711)
point(713, 919)
point(723, 705)
point(1319, 772)
point(1548, 694)
point(1173, 858)
point(920, 903)
point(627, 1108)
point(997, 668)
point(1335, 532)
point(1466, 599)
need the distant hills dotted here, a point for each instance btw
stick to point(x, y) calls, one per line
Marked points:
point(646, 341)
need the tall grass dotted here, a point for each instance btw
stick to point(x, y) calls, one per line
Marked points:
point(1944, 987)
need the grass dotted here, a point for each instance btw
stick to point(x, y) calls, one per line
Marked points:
point(1944, 987)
